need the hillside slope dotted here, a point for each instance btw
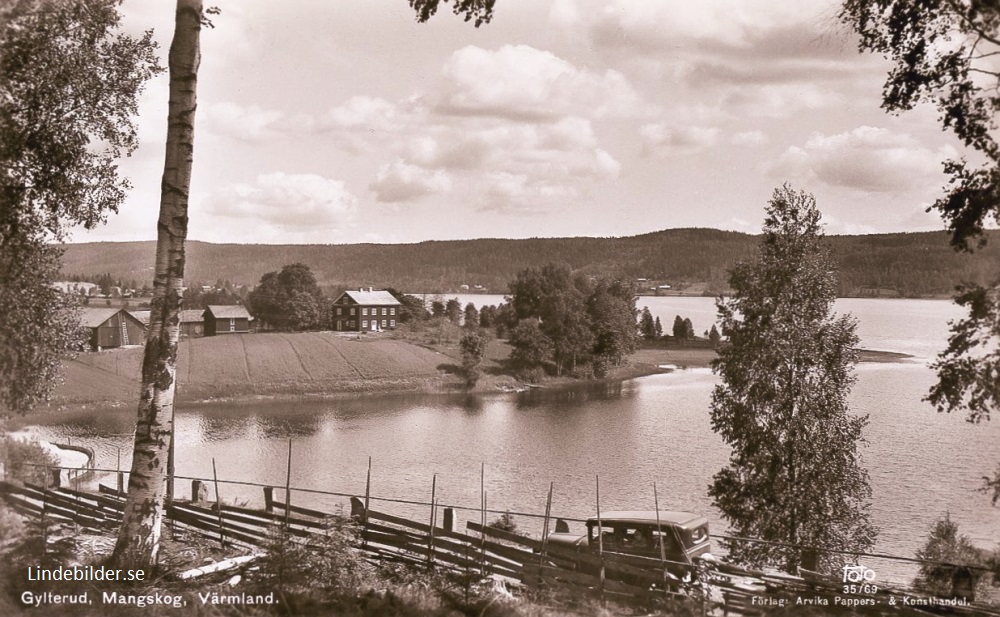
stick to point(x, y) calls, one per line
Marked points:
point(258, 364)
point(915, 264)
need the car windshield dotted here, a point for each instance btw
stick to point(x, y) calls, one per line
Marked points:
point(633, 538)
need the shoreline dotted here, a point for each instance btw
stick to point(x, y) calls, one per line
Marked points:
point(644, 362)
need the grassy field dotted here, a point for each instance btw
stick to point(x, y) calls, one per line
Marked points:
point(327, 363)
point(259, 364)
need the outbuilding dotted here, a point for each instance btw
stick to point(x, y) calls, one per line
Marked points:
point(112, 327)
point(226, 319)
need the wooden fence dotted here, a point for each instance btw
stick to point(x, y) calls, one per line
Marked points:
point(476, 551)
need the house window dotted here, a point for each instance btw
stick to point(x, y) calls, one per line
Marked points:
point(384, 311)
point(339, 310)
point(350, 324)
point(364, 311)
point(364, 323)
point(232, 325)
point(392, 311)
point(352, 310)
point(383, 323)
point(392, 322)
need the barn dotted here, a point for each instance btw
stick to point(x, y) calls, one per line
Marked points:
point(112, 327)
point(221, 319)
point(193, 323)
point(365, 311)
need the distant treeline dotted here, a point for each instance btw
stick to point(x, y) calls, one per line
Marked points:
point(904, 264)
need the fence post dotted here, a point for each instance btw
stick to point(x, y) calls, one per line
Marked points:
point(218, 505)
point(482, 518)
point(269, 499)
point(448, 524)
point(659, 536)
point(545, 531)
point(600, 540)
point(121, 476)
point(288, 484)
point(430, 537)
point(199, 492)
point(364, 515)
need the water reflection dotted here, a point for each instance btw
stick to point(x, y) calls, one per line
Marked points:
point(573, 395)
point(631, 434)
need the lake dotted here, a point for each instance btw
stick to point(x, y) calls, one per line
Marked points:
point(632, 434)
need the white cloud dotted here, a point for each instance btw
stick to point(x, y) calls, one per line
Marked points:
point(508, 164)
point(865, 159)
point(289, 203)
point(523, 83)
point(660, 138)
point(365, 112)
point(780, 100)
point(748, 138)
point(509, 193)
point(750, 58)
point(564, 14)
point(251, 123)
point(400, 181)
point(657, 25)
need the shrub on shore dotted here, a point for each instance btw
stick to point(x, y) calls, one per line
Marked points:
point(26, 460)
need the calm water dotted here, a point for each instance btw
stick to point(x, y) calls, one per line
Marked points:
point(655, 429)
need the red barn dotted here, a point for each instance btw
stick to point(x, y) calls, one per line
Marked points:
point(365, 311)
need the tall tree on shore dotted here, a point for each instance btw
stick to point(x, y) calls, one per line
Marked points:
point(289, 299)
point(52, 177)
point(944, 52)
point(647, 326)
point(794, 476)
point(678, 329)
point(139, 535)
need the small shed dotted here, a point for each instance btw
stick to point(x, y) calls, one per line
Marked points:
point(112, 327)
point(192, 323)
point(224, 319)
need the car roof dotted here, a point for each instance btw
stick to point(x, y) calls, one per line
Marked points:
point(647, 517)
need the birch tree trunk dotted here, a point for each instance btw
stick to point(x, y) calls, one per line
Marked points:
point(139, 536)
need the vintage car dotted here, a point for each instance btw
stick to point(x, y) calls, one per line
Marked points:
point(633, 538)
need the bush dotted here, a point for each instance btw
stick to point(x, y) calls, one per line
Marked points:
point(324, 563)
point(945, 544)
point(504, 522)
point(535, 374)
point(25, 460)
point(473, 346)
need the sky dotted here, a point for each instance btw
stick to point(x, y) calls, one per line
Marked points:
point(336, 121)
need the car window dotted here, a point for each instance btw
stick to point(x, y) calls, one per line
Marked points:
point(669, 535)
point(699, 535)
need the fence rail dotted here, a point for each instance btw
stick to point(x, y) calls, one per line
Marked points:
point(477, 550)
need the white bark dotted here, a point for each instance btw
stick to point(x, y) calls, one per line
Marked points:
point(139, 536)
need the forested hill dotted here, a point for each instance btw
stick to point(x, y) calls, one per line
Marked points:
point(912, 264)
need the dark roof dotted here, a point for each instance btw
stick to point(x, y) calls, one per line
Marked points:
point(667, 517)
point(228, 311)
point(378, 296)
point(192, 315)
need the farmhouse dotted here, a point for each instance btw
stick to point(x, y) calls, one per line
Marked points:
point(365, 310)
point(221, 319)
point(112, 327)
